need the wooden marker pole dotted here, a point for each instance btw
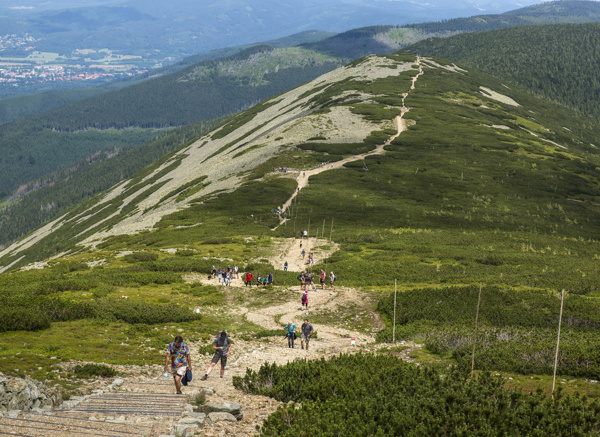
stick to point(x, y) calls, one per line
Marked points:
point(323, 231)
point(475, 335)
point(394, 328)
point(331, 232)
point(562, 299)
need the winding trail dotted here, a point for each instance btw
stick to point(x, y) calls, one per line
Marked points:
point(399, 123)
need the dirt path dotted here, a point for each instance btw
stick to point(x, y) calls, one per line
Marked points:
point(400, 124)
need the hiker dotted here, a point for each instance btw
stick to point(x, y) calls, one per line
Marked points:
point(222, 347)
point(214, 271)
point(322, 279)
point(248, 279)
point(270, 279)
point(220, 275)
point(265, 281)
point(290, 334)
point(178, 354)
point(306, 331)
point(300, 243)
point(236, 271)
point(303, 253)
point(302, 280)
point(305, 300)
point(309, 281)
point(285, 266)
point(258, 280)
point(331, 279)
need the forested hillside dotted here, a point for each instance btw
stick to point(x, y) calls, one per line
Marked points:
point(54, 194)
point(33, 149)
point(544, 13)
point(558, 62)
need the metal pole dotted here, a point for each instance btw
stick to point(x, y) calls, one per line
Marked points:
point(562, 298)
point(394, 329)
point(475, 335)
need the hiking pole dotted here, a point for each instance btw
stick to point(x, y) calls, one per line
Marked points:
point(562, 298)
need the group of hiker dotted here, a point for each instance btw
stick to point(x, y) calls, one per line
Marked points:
point(264, 280)
point(179, 361)
point(306, 280)
point(224, 276)
point(306, 330)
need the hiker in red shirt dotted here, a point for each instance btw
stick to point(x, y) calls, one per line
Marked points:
point(249, 279)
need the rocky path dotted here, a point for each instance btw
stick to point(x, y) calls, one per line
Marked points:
point(144, 404)
point(302, 178)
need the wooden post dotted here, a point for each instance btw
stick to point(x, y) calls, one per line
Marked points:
point(562, 299)
point(330, 233)
point(308, 230)
point(394, 328)
point(475, 335)
point(323, 231)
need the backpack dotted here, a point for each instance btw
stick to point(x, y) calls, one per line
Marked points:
point(304, 298)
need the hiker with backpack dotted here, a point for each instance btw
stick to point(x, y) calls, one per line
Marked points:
point(248, 279)
point(304, 300)
point(222, 347)
point(306, 331)
point(290, 334)
point(178, 356)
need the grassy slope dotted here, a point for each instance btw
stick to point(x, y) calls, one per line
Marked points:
point(558, 61)
point(453, 201)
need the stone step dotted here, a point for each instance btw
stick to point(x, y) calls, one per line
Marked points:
point(131, 404)
point(53, 425)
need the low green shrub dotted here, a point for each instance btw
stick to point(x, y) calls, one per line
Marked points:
point(137, 257)
point(94, 370)
point(380, 395)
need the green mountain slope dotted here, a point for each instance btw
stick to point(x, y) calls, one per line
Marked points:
point(468, 159)
point(402, 167)
point(217, 87)
point(558, 61)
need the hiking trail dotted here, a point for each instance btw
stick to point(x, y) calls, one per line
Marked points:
point(142, 403)
point(303, 177)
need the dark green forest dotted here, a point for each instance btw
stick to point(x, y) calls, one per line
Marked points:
point(544, 13)
point(60, 190)
point(558, 62)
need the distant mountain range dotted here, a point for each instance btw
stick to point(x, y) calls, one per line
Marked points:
point(184, 27)
point(35, 150)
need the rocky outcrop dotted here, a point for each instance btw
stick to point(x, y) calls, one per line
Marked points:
point(233, 409)
point(26, 394)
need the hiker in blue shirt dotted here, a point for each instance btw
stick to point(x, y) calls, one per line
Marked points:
point(290, 334)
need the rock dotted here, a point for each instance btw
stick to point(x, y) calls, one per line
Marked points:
point(233, 409)
point(221, 417)
point(194, 415)
point(26, 394)
point(185, 430)
point(194, 420)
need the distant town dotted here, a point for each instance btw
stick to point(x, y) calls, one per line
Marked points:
point(23, 66)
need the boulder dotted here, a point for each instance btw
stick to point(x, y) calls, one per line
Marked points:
point(185, 430)
point(26, 394)
point(221, 417)
point(233, 409)
point(197, 419)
